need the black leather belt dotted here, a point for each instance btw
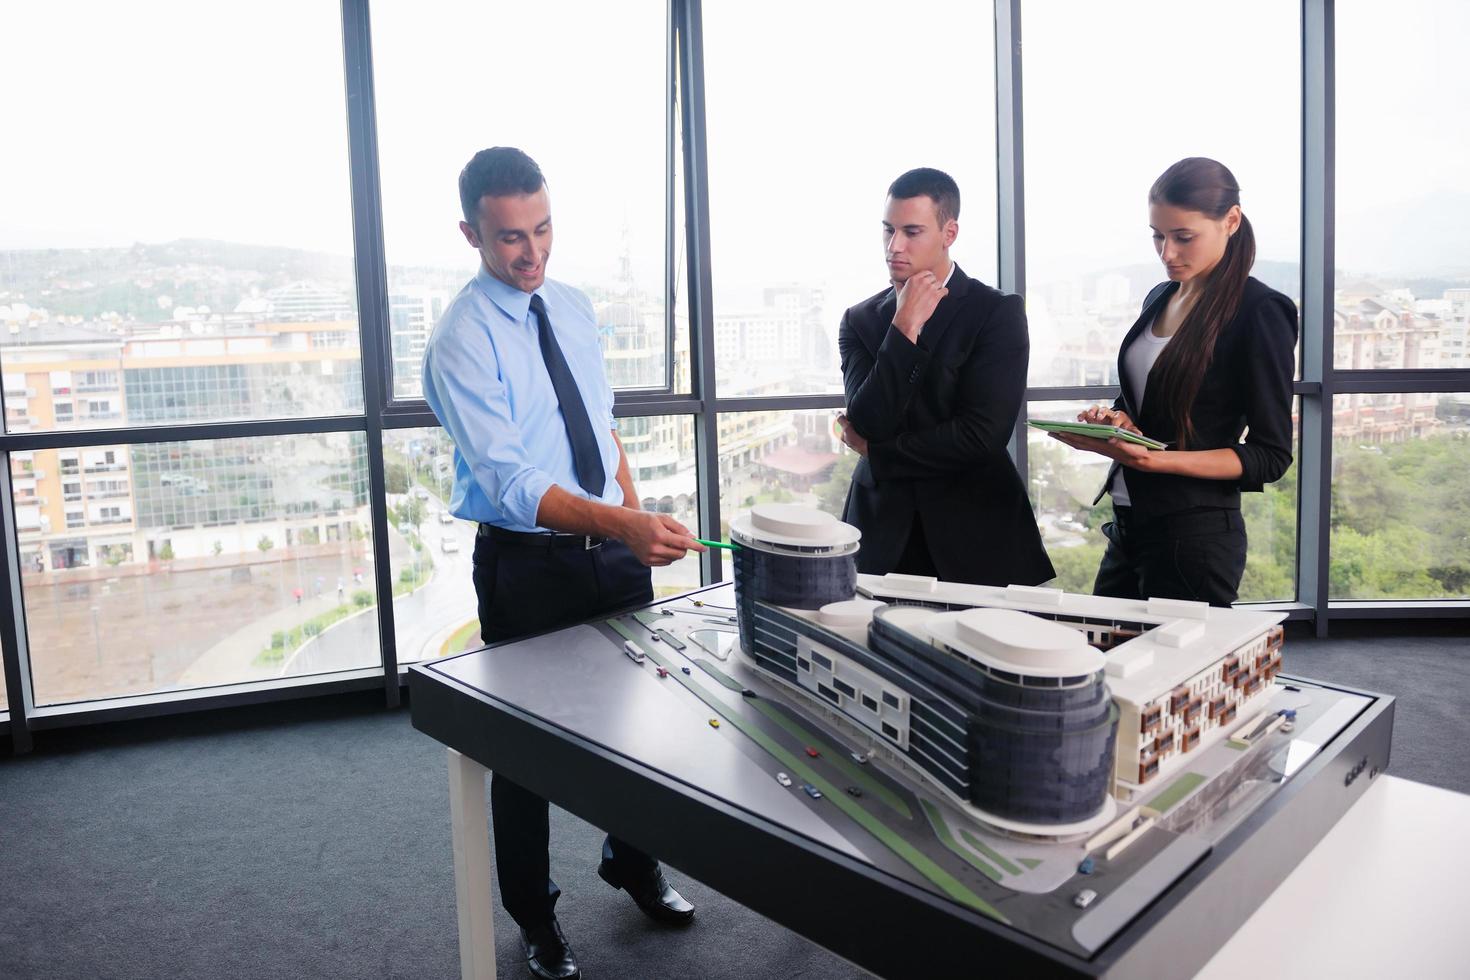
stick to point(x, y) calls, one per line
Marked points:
point(540, 539)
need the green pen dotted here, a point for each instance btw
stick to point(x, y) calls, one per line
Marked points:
point(718, 544)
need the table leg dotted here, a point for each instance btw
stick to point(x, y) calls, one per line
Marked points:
point(472, 897)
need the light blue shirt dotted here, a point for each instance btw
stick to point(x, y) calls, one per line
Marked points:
point(485, 379)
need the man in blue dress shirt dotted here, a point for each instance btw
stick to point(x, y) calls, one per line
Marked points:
point(514, 372)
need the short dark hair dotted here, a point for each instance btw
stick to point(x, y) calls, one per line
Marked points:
point(937, 185)
point(500, 171)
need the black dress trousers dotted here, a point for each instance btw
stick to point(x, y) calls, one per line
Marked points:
point(525, 589)
point(1198, 554)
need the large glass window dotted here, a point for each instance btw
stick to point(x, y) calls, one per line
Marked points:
point(1062, 483)
point(177, 226)
point(804, 138)
point(429, 550)
point(434, 607)
point(1271, 530)
point(1103, 120)
point(1403, 208)
point(781, 456)
point(165, 566)
point(1400, 519)
point(587, 103)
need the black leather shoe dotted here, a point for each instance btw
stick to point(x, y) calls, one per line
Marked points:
point(653, 893)
point(548, 954)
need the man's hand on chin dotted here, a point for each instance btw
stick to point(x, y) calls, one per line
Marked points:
point(917, 299)
point(851, 438)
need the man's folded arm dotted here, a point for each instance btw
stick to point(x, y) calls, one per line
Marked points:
point(879, 387)
point(992, 387)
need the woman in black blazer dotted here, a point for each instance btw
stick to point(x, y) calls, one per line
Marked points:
point(1211, 356)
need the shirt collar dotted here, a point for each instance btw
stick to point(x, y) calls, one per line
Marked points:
point(512, 302)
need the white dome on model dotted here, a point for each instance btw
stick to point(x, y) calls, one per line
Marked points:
point(849, 612)
point(1011, 640)
point(794, 527)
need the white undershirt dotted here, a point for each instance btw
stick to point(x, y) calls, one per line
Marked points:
point(1138, 360)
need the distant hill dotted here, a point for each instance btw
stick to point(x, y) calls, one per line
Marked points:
point(190, 272)
point(1285, 276)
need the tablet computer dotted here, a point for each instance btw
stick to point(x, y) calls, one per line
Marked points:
point(1096, 431)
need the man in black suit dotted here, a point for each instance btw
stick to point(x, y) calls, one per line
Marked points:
point(935, 371)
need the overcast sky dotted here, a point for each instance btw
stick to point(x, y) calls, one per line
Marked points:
point(228, 122)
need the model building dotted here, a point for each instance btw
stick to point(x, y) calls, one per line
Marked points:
point(1023, 704)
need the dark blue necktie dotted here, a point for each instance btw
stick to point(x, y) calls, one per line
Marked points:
point(586, 457)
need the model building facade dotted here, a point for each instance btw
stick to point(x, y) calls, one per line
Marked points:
point(1182, 673)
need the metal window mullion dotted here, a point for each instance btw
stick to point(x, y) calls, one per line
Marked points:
point(1401, 381)
point(1010, 179)
point(1072, 393)
point(1314, 504)
point(773, 403)
point(417, 418)
point(372, 291)
point(671, 98)
point(1060, 393)
point(13, 644)
point(688, 24)
point(213, 431)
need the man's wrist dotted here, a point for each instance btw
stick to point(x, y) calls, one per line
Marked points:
point(610, 521)
point(910, 333)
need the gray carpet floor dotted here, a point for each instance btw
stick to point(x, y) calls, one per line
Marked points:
point(312, 840)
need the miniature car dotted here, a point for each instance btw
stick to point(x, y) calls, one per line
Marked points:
point(860, 758)
point(1087, 866)
point(854, 791)
point(714, 723)
point(812, 752)
point(656, 637)
point(783, 779)
point(811, 791)
point(663, 671)
point(634, 651)
point(684, 669)
point(1084, 898)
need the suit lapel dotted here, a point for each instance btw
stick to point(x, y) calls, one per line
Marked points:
point(944, 313)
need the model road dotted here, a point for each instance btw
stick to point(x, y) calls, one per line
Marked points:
point(885, 811)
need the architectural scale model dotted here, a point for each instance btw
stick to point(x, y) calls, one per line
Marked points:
point(1080, 771)
point(1030, 708)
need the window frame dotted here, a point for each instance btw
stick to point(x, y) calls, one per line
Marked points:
point(686, 175)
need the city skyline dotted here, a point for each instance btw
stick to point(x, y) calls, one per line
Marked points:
point(183, 253)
